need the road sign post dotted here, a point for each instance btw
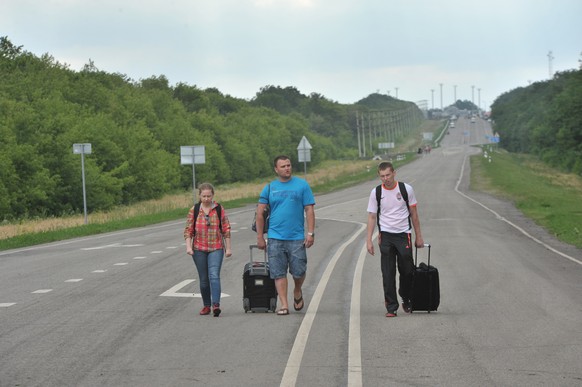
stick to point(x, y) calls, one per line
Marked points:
point(193, 155)
point(83, 149)
point(304, 153)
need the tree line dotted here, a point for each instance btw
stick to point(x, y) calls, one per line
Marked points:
point(544, 119)
point(136, 129)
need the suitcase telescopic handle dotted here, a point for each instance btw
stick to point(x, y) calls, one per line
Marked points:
point(251, 247)
point(416, 254)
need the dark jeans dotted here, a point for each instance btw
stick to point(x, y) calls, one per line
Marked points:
point(396, 249)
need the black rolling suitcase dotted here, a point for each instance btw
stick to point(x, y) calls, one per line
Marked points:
point(259, 292)
point(425, 285)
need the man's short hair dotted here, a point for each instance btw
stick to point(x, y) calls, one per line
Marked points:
point(280, 157)
point(385, 165)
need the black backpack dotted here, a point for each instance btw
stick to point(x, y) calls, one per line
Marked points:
point(197, 211)
point(266, 215)
point(404, 194)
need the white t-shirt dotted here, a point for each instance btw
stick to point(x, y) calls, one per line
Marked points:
point(393, 211)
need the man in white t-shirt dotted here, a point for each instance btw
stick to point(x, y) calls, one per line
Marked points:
point(395, 240)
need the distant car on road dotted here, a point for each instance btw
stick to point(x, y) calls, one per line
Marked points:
point(452, 125)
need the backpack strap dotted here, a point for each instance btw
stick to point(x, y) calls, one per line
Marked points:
point(378, 197)
point(197, 212)
point(404, 194)
point(219, 213)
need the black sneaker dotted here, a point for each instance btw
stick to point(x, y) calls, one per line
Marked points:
point(216, 310)
point(406, 307)
point(391, 314)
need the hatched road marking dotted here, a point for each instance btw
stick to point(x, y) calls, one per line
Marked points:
point(174, 291)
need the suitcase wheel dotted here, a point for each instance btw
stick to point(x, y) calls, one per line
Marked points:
point(246, 304)
point(273, 304)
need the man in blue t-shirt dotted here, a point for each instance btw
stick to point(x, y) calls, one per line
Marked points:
point(288, 197)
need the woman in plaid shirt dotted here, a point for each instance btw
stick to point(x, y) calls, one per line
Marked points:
point(208, 240)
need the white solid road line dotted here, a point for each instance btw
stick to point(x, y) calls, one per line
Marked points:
point(509, 222)
point(354, 335)
point(294, 361)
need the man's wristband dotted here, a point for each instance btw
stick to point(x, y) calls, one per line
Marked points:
point(311, 234)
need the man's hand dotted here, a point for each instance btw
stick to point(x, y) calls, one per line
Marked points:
point(308, 242)
point(261, 243)
point(370, 246)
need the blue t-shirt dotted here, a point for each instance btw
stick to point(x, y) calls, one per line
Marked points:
point(287, 201)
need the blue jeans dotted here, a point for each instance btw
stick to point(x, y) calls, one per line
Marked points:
point(285, 255)
point(208, 264)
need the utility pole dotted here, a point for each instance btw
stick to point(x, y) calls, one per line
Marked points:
point(479, 98)
point(441, 85)
point(358, 133)
point(454, 94)
point(473, 94)
point(396, 92)
point(550, 59)
point(432, 97)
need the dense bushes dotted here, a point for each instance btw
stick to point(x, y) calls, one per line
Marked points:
point(136, 130)
point(544, 119)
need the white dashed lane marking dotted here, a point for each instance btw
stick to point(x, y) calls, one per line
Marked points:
point(41, 291)
point(173, 292)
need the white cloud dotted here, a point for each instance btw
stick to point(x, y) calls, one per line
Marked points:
point(343, 49)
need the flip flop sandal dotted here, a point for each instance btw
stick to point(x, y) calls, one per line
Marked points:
point(296, 302)
point(283, 312)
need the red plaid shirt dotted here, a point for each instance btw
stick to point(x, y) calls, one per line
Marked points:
point(207, 238)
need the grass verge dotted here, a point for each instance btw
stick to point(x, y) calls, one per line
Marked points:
point(549, 197)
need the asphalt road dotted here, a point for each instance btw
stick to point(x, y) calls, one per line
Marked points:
point(121, 309)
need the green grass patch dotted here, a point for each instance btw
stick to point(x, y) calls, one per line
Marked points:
point(549, 197)
point(31, 239)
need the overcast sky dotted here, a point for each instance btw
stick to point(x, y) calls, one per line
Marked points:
point(342, 49)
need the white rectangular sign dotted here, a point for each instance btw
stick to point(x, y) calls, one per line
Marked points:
point(82, 148)
point(192, 155)
point(385, 145)
point(304, 155)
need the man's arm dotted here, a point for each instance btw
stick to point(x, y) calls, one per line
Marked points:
point(310, 215)
point(419, 241)
point(370, 232)
point(260, 222)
